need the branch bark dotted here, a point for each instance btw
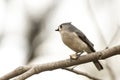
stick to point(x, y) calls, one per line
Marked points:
point(24, 72)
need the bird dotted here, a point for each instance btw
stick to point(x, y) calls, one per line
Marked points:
point(76, 40)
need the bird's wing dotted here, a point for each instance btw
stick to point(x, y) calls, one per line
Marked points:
point(85, 39)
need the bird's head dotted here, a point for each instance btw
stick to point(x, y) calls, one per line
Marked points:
point(63, 26)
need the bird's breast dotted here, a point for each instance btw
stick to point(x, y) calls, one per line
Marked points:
point(73, 41)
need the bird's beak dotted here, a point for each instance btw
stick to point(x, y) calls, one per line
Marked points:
point(57, 29)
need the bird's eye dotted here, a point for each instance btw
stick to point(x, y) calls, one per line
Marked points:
point(60, 26)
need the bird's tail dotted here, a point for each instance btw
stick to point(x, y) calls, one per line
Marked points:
point(98, 65)
point(96, 62)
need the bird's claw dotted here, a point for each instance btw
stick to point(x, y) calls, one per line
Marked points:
point(75, 56)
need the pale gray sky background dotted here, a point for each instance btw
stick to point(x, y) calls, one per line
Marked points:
point(98, 19)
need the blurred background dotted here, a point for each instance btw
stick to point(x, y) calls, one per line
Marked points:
point(27, 34)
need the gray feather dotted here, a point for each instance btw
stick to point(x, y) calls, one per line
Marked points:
point(82, 36)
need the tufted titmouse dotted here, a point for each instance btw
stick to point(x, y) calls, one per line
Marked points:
point(76, 40)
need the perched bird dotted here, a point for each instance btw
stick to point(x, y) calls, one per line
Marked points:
point(76, 40)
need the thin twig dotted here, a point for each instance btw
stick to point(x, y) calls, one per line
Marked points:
point(81, 73)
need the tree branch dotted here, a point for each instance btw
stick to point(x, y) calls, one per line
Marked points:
point(26, 71)
point(81, 73)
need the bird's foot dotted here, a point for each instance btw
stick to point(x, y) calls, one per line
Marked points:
point(75, 56)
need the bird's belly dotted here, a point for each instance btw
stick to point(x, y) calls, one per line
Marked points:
point(75, 43)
